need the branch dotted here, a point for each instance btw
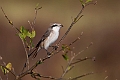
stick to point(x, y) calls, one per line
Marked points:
point(82, 76)
point(32, 25)
point(76, 19)
point(10, 22)
point(73, 22)
point(17, 31)
point(1, 78)
point(38, 76)
point(46, 58)
point(70, 65)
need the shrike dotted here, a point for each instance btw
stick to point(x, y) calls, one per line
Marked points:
point(49, 37)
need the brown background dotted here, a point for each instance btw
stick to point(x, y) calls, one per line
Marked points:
point(100, 24)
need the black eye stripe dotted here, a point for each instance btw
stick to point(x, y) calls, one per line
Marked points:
point(53, 26)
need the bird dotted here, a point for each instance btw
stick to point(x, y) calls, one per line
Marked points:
point(49, 37)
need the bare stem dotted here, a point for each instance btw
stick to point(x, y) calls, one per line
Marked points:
point(11, 23)
point(82, 76)
point(73, 22)
point(27, 59)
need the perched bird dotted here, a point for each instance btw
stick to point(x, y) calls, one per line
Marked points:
point(49, 37)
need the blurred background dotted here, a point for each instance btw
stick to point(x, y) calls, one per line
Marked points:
point(100, 24)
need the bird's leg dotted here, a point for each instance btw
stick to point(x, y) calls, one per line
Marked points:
point(54, 47)
point(48, 53)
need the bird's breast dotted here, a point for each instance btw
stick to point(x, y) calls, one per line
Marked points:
point(51, 39)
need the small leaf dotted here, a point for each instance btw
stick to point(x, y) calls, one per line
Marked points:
point(9, 66)
point(37, 5)
point(69, 68)
point(33, 34)
point(82, 2)
point(4, 70)
point(23, 33)
point(65, 56)
point(63, 46)
point(87, 1)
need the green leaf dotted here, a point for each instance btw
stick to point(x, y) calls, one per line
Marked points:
point(4, 70)
point(65, 47)
point(82, 2)
point(23, 33)
point(37, 5)
point(33, 34)
point(65, 56)
point(87, 1)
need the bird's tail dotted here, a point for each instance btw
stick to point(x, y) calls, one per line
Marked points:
point(34, 52)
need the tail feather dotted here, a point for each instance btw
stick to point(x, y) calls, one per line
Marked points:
point(34, 52)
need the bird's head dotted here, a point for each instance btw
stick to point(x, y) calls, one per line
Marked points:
point(56, 26)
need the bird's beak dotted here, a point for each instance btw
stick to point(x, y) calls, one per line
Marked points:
point(61, 25)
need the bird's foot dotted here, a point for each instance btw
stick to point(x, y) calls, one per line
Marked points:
point(54, 47)
point(48, 54)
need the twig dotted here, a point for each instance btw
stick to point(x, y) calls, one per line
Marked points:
point(86, 58)
point(82, 76)
point(78, 38)
point(33, 23)
point(66, 69)
point(49, 77)
point(84, 49)
point(32, 27)
point(73, 22)
point(36, 9)
point(1, 78)
point(27, 59)
point(70, 62)
point(105, 77)
point(11, 23)
point(42, 60)
point(17, 31)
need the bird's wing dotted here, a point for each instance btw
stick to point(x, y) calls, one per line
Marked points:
point(46, 34)
point(38, 47)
